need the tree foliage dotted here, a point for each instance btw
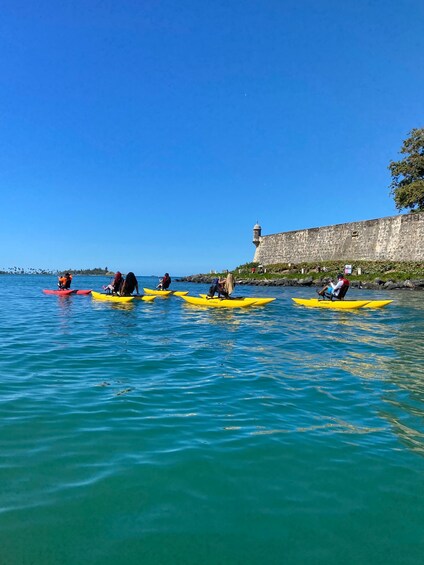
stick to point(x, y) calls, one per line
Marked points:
point(407, 186)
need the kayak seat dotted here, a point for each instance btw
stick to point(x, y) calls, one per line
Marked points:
point(340, 296)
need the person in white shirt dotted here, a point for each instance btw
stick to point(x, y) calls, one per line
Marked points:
point(333, 289)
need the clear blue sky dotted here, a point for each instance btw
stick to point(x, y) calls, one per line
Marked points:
point(151, 136)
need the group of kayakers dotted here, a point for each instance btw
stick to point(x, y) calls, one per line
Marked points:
point(223, 288)
point(124, 286)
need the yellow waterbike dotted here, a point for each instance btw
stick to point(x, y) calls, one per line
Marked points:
point(341, 304)
point(122, 299)
point(154, 292)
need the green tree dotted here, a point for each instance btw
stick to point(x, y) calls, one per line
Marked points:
point(407, 186)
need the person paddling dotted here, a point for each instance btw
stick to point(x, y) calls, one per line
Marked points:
point(337, 290)
point(65, 281)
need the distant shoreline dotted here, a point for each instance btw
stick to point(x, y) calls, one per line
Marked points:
point(49, 274)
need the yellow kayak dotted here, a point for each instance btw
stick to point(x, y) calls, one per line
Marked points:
point(111, 297)
point(216, 303)
point(377, 303)
point(256, 301)
point(157, 292)
point(144, 298)
point(336, 305)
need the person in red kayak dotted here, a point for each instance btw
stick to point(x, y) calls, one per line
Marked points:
point(164, 282)
point(65, 281)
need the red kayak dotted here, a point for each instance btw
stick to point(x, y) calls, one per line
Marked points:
point(59, 292)
point(83, 291)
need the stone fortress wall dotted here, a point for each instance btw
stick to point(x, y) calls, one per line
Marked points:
point(394, 238)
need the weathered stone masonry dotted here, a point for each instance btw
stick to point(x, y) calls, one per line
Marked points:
point(394, 238)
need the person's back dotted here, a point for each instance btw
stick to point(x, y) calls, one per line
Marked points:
point(130, 284)
point(343, 288)
point(218, 286)
point(117, 282)
point(68, 280)
point(166, 281)
point(337, 290)
point(340, 289)
point(229, 284)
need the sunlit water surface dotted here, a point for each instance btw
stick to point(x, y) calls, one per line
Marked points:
point(165, 433)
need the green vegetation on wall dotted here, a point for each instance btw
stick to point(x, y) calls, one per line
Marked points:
point(384, 270)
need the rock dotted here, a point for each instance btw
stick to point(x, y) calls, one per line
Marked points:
point(377, 283)
point(307, 281)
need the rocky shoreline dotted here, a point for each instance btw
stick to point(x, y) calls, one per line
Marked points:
point(376, 284)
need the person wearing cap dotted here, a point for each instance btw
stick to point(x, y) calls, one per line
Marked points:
point(334, 289)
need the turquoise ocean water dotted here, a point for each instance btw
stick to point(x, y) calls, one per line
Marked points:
point(165, 433)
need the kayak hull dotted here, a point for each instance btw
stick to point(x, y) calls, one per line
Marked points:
point(216, 303)
point(59, 292)
point(157, 292)
point(84, 292)
point(145, 298)
point(251, 300)
point(377, 303)
point(180, 292)
point(329, 304)
point(111, 297)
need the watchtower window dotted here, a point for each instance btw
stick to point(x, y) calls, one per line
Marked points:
point(355, 234)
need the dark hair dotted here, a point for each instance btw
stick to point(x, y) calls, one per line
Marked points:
point(339, 276)
point(131, 277)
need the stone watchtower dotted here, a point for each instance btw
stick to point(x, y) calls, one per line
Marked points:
point(257, 230)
